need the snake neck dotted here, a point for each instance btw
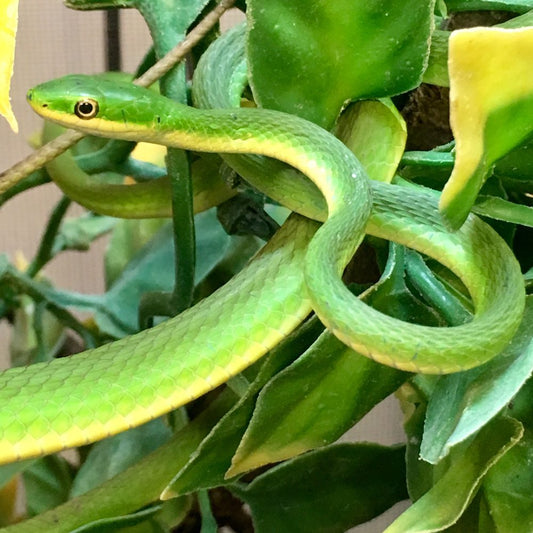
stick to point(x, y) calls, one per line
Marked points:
point(134, 113)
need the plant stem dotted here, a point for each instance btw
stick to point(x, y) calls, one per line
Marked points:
point(45, 252)
point(25, 285)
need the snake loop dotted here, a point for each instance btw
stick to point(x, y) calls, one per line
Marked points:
point(73, 401)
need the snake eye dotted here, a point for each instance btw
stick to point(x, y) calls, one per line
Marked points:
point(86, 108)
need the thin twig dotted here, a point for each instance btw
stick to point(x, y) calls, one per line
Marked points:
point(62, 143)
point(184, 47)
point(37, 159)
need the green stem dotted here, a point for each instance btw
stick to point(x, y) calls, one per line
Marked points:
point(23, 284)
point(184, 237)
point(209, 524)
point(45, 251)
point(238, 384)
point(433, 291)
point(443, 160)
point(39, 332)
point(166, 35)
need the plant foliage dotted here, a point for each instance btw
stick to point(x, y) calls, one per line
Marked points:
point(269, 438)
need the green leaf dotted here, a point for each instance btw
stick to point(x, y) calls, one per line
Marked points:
point(207, 467)
point(151, 270)
point(127, 239)
point(500, 209)
point(111, 456)
point(158, 518)
point(445, 502)
point(110, 525)
point(327, 490)
point(518, 6)
point(437, 70)
point(521, 407)
point(475, 518)
point(462, 403)
point(116, 311)
point(517, 166)
point(419, 472)
point(299, 409)
point(78, 233)
point(26, 346)
point(351, 51)
point(47, 483)
point(508, 488)
point(376, 133)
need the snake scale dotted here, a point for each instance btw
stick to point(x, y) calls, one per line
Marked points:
point(100, 392)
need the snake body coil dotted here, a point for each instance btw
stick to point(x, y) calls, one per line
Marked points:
point(100, 392)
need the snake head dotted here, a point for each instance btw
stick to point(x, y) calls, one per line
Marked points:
point(98, 105)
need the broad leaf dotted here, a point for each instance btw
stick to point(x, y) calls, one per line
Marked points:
point(127, 239)
point(299, 409)
point(517, 165)
point(78, 233)
point(437, 70)
point(47, 483)
point(462, 403)
point(518, 6)
point(446, 501)
point(352, 50)
point(111, 456)
point(419, 472)
point(327, 490)
point(500, 209)
point(209, 464)
point(508, 489)
point(109, 525)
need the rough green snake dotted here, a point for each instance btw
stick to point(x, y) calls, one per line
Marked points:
point(68, 402)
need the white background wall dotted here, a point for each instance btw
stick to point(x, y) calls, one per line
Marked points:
point(52, 41)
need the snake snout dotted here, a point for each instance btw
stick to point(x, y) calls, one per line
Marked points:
point(35, 101)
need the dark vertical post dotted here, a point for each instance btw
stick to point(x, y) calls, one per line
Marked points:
point(113, 54)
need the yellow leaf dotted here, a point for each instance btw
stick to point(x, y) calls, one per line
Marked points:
point(8, 31)
point(491, 107)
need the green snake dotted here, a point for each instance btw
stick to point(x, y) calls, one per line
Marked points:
point(100, 392)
